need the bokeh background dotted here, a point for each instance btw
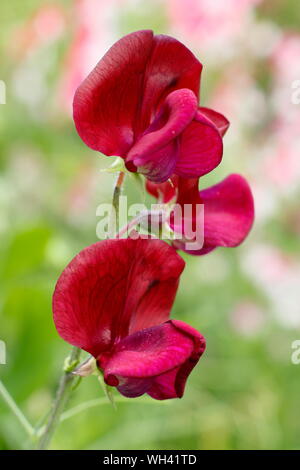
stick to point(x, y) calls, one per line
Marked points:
point(244, 394)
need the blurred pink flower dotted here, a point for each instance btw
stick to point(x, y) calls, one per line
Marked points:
point(285, 70)
point(93, 34)
point(240, 99)
point(247, 318)
point(209, 23)
point(277, 274)
point(45, 25)
point(282, 164)
point(285, 58)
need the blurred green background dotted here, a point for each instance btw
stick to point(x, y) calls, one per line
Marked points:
point(244, 394)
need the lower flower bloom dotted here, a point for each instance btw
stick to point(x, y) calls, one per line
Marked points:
point(113, 300)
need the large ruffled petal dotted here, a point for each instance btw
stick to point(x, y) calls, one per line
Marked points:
point(114, 288)
point(156, 360)
point(115, 103)
point(201, 148)
point(106, 103)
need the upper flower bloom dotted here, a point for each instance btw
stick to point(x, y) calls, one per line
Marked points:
point(113, 300)
point(141, 103)
point(228, 211)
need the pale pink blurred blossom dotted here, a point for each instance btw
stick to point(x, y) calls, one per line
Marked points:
point(94, 32)
point(247, 318)
point(285, 69)
point(46, 25)
point(265, 197)
point(282, 166)
point(238, 98)
point(285, 59)
point(277, 274)
point(213, 26)
point(280, 162)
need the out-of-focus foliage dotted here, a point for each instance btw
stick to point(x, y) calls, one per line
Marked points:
point(245, 391)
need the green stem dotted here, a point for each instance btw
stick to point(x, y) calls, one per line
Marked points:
point(62, 396)
point(103, 401)
point(16, 410)
point(114, 222)
point(65, 385)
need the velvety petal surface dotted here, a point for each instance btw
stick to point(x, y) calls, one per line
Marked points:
point(106, 103)
point(172, 66)
point(201, 148)
point(228, 214)
point(155, 360)
point(115, 103)
point(228, 211)
point(114, 288)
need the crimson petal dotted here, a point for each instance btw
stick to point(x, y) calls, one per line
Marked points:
point(218, 119)
point(156, 152)
point(114, 288)
point(201, 148)
point(228, 211)
point(164, 192)
point(115, 103)
point(156, 360)
point(172, 66)
point(228, 214)
point(105, 104)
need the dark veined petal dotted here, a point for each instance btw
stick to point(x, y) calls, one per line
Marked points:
point(172, 66)
point(201, 148)
point(220, 121)
point(114, 288)
point(106, 103)
point(115, 103)
point(156, 360)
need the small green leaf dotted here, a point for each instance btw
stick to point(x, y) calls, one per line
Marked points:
point(116, 167)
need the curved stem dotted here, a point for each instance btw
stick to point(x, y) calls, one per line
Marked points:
point(16, 410)
point(61, 399)
point(103, 401)
point(66, 381)
point(133, 222)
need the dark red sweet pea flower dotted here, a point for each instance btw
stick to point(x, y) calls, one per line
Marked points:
point(141, 103)
point(228, 210)
point(113, 300)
